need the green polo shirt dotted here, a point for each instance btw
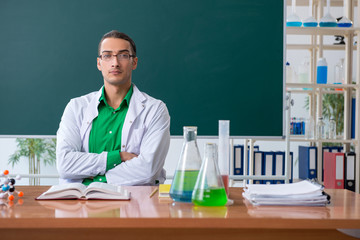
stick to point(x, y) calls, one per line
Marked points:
point(105, 134)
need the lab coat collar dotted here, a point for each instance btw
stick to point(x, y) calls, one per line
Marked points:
point(138, 95)
point(136, 106)
point(91, 112)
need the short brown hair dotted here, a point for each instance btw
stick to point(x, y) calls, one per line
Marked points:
point(117, 34)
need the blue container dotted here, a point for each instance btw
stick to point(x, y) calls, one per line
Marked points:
point(321, 71)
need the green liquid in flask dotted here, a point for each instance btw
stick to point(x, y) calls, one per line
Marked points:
point(183, 185)
point(210, 197)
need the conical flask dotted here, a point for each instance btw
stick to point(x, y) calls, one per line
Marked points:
point(187, 169)
point(293, 20)
point(209, 188)
point(328, 20)
point(310, 21)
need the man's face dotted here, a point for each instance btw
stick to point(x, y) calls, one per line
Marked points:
point(116, 70)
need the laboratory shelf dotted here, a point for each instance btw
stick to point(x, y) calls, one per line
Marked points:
point(301, 91)
point(303, 139)
point(313, 46)
point(334, 3)
point(314, 85)
point(320, 30)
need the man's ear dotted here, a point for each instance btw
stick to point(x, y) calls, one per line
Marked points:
point(98, 64)
point(135, 61)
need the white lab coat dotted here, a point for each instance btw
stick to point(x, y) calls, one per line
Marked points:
point(146, 133)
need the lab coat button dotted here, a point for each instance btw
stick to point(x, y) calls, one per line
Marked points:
point(130, 121)
point(123, 146)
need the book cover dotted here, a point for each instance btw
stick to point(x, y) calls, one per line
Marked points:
point(164, 190)
point(334, 170)
point(307, 162)
point(349, 179)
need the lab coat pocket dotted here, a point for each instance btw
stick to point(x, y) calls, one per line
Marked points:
point(135, 139)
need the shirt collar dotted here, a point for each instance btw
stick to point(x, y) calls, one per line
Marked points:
point(124, 102)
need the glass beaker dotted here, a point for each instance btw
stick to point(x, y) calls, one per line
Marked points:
point(209, 188)
point(187, 169)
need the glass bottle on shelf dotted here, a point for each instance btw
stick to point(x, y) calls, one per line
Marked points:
point(332, 129)
point(339, 74)
point(303, 75)
point(309, 128)
point(320, 129)
point(187, 169)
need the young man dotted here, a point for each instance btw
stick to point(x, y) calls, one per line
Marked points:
point(117, 135)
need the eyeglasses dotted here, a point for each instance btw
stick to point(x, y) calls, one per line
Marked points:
point(107, 57)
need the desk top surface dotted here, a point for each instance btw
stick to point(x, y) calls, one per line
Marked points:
point(343, 212)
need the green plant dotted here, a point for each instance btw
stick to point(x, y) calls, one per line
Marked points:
point(333, 107)
point(35, 149)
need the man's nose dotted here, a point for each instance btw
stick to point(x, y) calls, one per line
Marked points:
point(115, 61)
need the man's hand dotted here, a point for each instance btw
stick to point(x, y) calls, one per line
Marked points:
point(127, 156)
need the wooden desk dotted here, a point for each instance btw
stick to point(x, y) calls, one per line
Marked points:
point(151, 218)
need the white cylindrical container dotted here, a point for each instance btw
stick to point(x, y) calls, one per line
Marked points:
point(224, 151)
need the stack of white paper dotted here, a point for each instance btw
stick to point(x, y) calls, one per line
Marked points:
point(304, 193)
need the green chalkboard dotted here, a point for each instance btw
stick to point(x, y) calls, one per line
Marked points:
point(206, 59)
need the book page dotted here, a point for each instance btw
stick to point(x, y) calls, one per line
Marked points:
point(303, 187)
point(70, 186)
point(64, 194)
point(101, 190)
point(103, 187)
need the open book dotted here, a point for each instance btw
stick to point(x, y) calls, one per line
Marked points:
point(95, 190)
